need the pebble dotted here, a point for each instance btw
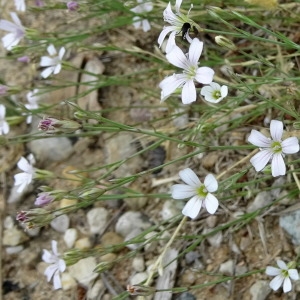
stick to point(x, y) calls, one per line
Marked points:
point(186, 296)
point(228, 268)
point(67, 281)
point(131, 220)
point(109, 257)
point(83, 243)
point(70, 237)
point(290, 222)
point(138, 278)
point(13, 237)
point(188, 278)
point(95, 292)
point(82, 271)
point(111, 238)
point(97, 219)
point(14, 249)
point(169, 210)
point(150, 246)
point(214, 240)
point(67, 202)
point(61, 223)
point(135, 232)
point(138, 264)
point(262, 199)
point(260, 290)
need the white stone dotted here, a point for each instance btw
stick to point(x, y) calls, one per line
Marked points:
point(97, 219)
point(8, 222)
point(83, 243)
point(227, 267)
point(95, 292)
point(14, 250)
point(138, 264)
point(70, 237)
point(61, 223)
point(260, 290)
point(82, 271)
point(13, 237)
point(169, 210)
point(138, 278)
point(67, 281)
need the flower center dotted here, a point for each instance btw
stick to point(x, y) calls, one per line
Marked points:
point(276, 147)
point(202, 191)
point(285, 273)
point(216, 95)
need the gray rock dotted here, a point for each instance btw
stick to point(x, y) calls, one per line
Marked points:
point(262, 199)
point(138, 264)
point(169, 210)
point(291, 224)
point(138, 278)
point(61, 223)
point(70, 237)
point(96, 291)
point(260, 290)
point(97, 219)
point(131, 220)
point(186, 296)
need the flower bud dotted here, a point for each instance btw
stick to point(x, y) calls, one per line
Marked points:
point(141, 290)
point(224, 42)
point(37, 217)
point(72, 5)
point(52, 125)
point(43, 199)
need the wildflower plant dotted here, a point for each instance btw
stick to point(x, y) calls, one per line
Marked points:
point(114, 136)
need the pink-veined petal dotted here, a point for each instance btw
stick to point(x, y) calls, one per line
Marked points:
point(287, 285)
point(293, 273)
point(276, 130)
point(278, 165)
point(276, 282)
point(272, 271)
point(189, 93)
point(56, 281)
point(211, 183)
point(258, 139)
point(182, 191)
point(51, 50)
point(177, 58)
point(211, 203)
point(192, 207)
point(189, 177)
point(290, 145)
point(195, 51)
point(260, 159)
point(204, 75)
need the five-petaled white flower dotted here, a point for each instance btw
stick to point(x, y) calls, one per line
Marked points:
point(25, 178)
point(20, 5)
point(53, 62)
point(16, 30)
point(200, 193)
point(274, 149)
point(282, 275)
point(32, 99)
point(214, 93)
point(191, 72)
point(177, 21)
point(4, 127)
point(57, 265)
point(140, 9)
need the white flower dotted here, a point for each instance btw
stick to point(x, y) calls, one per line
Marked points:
point(32, 99)
point(177, 21)
point(57, 265)
point(4, 127)
point(272, 149)
point(53, 62)
point(282, 275)
point(191, 72)
point(214, 93)
point(200, 193)
point(20, 5)
point(25, 178)
point(16, 30)
point(140, 9)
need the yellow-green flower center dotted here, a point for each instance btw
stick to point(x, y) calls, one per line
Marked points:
point(216, 94)
point(276, 147)
point(202, 191)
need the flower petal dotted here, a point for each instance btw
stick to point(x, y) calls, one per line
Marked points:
point(56, 281)
point(276, 282)
point(177, 58)
point(190, 178)
point(54, 247)
point(224, 91)
point(188, 94)
point(278, 165)
point(61, 52)
point(50, 270)
point(204, 75)
point(195, 51)
point(287, 285)
point(290, 145)
point(192, 208)
point(260, 159)
point(211, 203)
point(293, 273)
point(24, 165)
point(2, 111)
point(51, 50)
point(47, 72)
point(211, 183)
point(258, 139)
point(61, 265)
point(276, 129)
point(272, 271)
point(281, 264)
point(182, 191)
point(171, 42)
point(169, 85)
point(47, 61)
point(164, 33)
